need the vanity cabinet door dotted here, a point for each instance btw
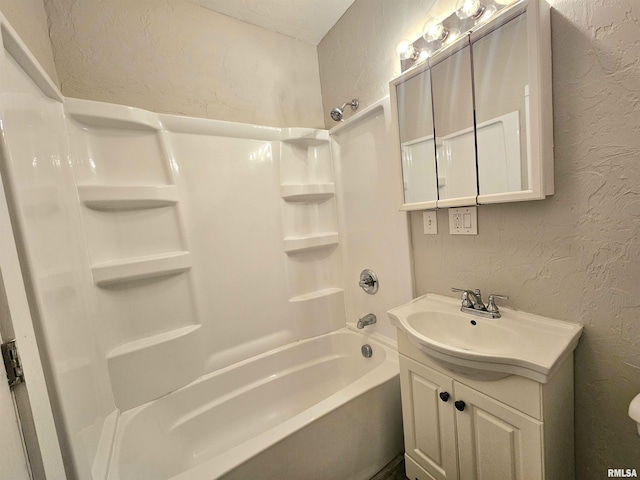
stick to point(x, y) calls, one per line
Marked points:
point(428, 417)
point(496, 441)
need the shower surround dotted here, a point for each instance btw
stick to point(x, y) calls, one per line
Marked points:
point(158, 249)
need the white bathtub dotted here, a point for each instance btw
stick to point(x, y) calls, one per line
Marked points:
point(315, 409)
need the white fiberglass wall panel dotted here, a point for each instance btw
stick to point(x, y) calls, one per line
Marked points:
point(374, 233)
point(42, 187)
point(231, 192)
point(139, 252)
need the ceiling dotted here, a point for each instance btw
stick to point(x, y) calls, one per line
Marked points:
point(306, 20)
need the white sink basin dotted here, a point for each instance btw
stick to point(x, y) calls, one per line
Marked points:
point(517, 343)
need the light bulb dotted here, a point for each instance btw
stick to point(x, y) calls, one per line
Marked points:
point(486, 15)
point(434, 31)
point(452, 36)
point(469, 9)
point(406, 51)
point(424, 54)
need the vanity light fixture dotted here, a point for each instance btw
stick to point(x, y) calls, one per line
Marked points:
point(439, 31)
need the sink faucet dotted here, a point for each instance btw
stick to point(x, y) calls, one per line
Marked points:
point(471, 299)
point(472, 303)
point(368, 319)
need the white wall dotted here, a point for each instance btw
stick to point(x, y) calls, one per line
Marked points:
point(176, 57)
point(38, 175)
point(231, 192)
point(573, 256)
point(374, 233)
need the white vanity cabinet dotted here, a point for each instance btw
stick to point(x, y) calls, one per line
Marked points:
point(507, 428)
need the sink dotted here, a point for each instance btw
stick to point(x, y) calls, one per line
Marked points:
point(457, 331)
point(517, 343)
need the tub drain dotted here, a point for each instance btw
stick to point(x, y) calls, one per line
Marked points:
point(366, 350)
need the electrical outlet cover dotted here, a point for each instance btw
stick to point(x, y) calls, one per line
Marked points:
point(463, 221)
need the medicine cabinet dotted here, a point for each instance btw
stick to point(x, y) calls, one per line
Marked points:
point(475, 120)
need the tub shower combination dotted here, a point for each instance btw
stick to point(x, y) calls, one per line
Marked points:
point(187, 282)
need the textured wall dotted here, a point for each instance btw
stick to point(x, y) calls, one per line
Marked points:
point(29, 19)
point(173, 56)
point(358, 57)
point(574, 256)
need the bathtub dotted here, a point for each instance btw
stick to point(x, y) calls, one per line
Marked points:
point(314, 409)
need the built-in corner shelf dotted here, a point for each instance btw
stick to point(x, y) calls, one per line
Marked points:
point(105, 197)
point(152, 366)
point(150, 342)
point(109, 273)
point(322, 310)
point(306, 137)
point(325, 292)
point(106, 115)
point(316, 192)
point(308, 242)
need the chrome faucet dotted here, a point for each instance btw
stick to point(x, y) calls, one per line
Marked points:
point(368, 319)
point(471, 299)
point(472, 303)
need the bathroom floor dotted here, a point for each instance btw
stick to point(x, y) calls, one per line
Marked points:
point(394, 470)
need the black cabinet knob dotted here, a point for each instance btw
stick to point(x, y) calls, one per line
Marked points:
point(444, 396)
point(460, 405)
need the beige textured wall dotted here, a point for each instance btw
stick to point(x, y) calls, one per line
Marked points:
point(574, 256)
point(358, 56)
point(29, 19)
point(172, 56)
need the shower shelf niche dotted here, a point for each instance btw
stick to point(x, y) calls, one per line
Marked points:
point(306, 137)
point(312, 192)
point(110, 116)
point(140, 260)
point(106, 197)
point(109, 273)
point(150, 342)
point(128, 361)
point(310, 229)
point(308, 242)
point(315, 308)
point(326, 292)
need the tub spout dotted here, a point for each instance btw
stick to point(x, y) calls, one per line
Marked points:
point(368, 319)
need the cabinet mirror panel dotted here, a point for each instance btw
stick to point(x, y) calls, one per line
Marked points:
point(502, 108)
point(454, 128)
point(417, 146)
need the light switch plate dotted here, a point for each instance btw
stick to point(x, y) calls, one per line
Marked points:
point(463, 221)
point(430, 221)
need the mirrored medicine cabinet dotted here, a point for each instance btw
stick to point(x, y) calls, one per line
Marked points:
point(475, 120)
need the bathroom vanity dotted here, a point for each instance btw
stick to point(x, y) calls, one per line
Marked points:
point(485, 398)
